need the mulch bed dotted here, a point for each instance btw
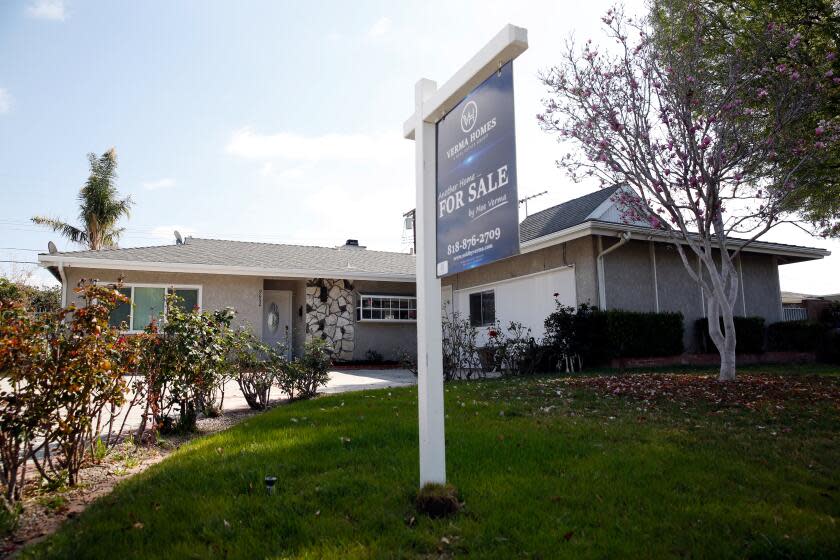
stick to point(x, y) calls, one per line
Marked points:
point(748, 391)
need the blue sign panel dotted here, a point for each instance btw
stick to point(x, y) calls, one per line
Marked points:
point(477, 208)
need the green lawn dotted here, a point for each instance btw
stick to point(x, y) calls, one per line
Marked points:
point(546, 468)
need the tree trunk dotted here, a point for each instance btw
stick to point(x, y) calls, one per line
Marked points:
point(724, 341)
point(727, 354)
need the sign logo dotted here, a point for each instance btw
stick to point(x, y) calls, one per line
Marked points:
point(469, 116)
point(476, 215)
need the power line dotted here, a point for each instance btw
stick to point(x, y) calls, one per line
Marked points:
point(20, 262)
point(17, 249)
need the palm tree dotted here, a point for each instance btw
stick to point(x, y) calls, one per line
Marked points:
point(99, 207)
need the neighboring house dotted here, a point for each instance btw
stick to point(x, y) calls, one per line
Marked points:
point(806, 307)
point(582, 251)
point(357, 299)
point(362, 300)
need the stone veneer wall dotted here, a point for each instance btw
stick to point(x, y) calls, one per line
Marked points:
point(329, 315)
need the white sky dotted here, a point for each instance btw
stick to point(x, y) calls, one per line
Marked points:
point(279, 123)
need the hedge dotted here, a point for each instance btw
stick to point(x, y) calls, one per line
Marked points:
point(830, 352)
point(599, 336)
point(797, 336)
point(749, 335)
point(631, 334)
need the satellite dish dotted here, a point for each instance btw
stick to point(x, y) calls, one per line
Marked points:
point(178, 239)
point(52, 248)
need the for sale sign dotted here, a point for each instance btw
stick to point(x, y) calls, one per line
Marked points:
point(477, 208)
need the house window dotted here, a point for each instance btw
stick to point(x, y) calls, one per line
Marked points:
point(386, 308)
point(483, 308)
point(122, 313)
point(147, 306)
point(147, 303)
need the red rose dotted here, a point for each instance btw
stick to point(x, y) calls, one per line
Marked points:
point(493, 334)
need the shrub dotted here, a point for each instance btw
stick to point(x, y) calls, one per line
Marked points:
point(9, 516)
point(257, 367)
point(89, 360)
point(460, 348)
point(575, 336)
point(36, 299)
point(511, 351)
point(796, 336)
point(64, 374)
point(587, 335)
point(311, 371)
point(407, 360)
point(187, 361)
point(631, 334)
point(749, 335)
point(831, 315)
point(830, 351)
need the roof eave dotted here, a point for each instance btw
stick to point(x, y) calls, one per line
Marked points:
point(192, 268)
point(593, 227)
point(562, 236)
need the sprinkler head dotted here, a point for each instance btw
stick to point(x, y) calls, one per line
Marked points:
point(270, 481)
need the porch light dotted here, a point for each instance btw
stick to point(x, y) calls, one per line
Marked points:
point(270, 481)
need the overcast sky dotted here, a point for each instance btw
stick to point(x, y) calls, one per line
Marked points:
point(262, 121)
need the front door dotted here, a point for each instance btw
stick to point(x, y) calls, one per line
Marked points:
point(277, 318)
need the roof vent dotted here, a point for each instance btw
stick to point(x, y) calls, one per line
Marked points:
point(351, 244)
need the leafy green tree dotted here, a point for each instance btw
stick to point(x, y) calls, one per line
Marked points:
point(9, 291)
point(100, 207)
point(749, 28)
point(33, 298)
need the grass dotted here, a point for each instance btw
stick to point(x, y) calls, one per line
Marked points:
point(546, 469)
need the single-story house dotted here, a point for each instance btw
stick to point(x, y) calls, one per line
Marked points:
point(585, 252)
point(358, 299)
point(362, 300)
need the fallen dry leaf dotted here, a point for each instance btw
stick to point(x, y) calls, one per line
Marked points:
point(749, 391)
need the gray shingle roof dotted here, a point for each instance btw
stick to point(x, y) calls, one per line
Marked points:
point(218, 252)
point(562, 216)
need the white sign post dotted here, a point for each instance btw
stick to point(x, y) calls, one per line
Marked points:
point(431, 104)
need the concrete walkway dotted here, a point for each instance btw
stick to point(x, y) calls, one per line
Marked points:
point(356, 380)
point(340, 382)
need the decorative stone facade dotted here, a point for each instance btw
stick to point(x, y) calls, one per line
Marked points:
point(329, 315)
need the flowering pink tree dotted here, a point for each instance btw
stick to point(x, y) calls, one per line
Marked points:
point(689, 139)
